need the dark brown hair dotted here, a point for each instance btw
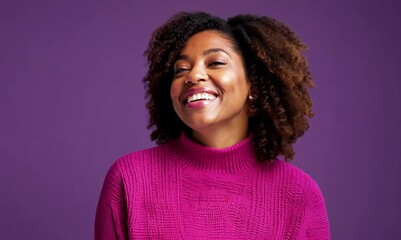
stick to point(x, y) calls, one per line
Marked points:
point(279, 104)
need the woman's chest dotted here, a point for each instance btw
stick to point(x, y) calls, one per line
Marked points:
point(206, 207)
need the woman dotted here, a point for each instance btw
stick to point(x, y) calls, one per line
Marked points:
point(225, 99)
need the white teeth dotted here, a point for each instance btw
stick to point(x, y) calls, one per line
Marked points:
point(200, 96)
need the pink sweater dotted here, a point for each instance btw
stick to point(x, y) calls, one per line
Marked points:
point(182, 190)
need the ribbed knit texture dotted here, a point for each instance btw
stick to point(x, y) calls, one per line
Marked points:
point(183, 190)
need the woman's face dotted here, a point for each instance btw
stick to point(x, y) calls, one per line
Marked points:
point(210, 87)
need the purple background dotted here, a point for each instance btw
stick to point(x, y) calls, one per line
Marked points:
point(72, 101)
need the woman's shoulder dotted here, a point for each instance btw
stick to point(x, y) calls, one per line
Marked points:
point(140, 158)
point(293, 178)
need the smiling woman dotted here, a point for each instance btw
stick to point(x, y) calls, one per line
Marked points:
point(226, 98)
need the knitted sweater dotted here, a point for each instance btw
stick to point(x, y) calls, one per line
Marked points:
point(182, 190)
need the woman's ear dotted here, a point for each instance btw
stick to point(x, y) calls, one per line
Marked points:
point(252, 109)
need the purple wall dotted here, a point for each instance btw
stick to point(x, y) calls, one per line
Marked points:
point(71, 102)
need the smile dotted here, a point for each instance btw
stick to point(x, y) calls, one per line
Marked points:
point(200, 96)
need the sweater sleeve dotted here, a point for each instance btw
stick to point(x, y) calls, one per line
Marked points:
point(316, 224)
point(111, 213)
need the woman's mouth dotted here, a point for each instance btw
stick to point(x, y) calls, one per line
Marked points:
point(199, 97)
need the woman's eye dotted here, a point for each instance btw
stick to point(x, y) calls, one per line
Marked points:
point(217, 63)
point(180, 70)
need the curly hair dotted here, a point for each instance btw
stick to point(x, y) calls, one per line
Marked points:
point(279, 102)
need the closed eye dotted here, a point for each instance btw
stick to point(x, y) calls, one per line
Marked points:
point(216, 63)
point(180, 70)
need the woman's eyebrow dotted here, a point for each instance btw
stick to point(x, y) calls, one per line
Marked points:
point(214, 50)
point(182, 57)
point(206, 52)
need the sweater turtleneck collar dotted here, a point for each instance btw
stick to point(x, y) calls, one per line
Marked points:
point(237, 157)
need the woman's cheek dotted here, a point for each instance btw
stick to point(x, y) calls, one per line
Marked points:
point(174, 91)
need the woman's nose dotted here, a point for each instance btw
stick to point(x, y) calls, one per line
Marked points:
point(196, 74)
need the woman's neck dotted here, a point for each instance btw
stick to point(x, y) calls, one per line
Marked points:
point(221, 138)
